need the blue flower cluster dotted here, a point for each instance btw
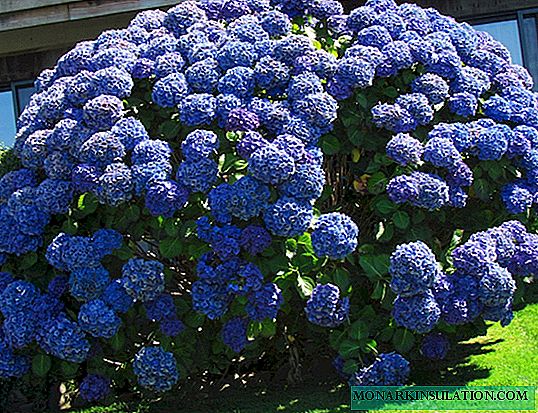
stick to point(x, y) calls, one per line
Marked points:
point(143, 280)
point(335, 236)
point(325, 307)
point(82, 257)
point(420, 189)
point(435, 346)
point(413, 268)
point(155, 369)
point(94, 387)
point(251, 75)
point(220, 280)
point(234, 334)
point(482, 284)
point(241, 69)
point(11, 364)
point(388, 369)
point(464, 73)
point(486, 265)
point(163, 310)
point(30, 316)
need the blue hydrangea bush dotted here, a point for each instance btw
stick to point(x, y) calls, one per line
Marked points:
point(233, 180)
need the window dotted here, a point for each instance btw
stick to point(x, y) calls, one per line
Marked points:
point(13, 100)
point(22, 91)
point(519, 33)
point(528, 23)
point(7, 117)
point(506, 32)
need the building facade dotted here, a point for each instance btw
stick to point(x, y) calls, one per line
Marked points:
point(34, 33)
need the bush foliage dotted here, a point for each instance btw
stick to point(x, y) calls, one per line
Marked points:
point(229, 181)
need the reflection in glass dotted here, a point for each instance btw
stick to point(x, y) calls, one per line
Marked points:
point(530, 41)
point(507, 33)
point(24, 92)
point(7, 118)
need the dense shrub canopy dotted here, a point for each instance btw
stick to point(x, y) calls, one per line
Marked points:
point(174, 184)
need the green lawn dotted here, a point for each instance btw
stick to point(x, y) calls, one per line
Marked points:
point(505, 356)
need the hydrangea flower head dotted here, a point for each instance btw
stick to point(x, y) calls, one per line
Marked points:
point(155, 369)
point(325, 307)
point(335, 235)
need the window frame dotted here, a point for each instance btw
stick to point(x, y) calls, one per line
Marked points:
point(524, 46)
point(502, 17)
point(15, 95)
point(7, 87)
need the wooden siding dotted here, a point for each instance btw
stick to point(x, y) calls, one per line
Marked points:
point(64, 11)
point(465, 9)
point(54, 36)
point(9, 6)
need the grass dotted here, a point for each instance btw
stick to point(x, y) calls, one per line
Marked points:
point(505, 356)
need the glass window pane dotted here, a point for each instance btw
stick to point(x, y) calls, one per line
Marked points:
point(530, 38)
point(7, 118)
point(507, 33)
point(24, 92)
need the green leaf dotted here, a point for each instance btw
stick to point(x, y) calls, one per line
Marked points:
point(172, 226)
point(385, 232)
point(379, 291)
point(408, 76)
point(350, 366)
point(457, 237)
point(291, 244)
point(358, 330)
point(227, 162)
point(385, 206)
point(170, 247)
point(350, 119)
point(28, 261)
point(341, 278)
point(87, 204)
point(377, 183)
point(362, 100)
point(335, 338)
point(41, 364)
point(305, 285)
point(306, 262)
point(375, 266)
point(349, 349)
point(268, 328)
point(124, 253)
point(170, 129)
point(131, 213)
point(194, 319)
point(403, 340)
point(118, 341)
point(240, 164)
point(69, 369)
point(369, 346)
point(356, 136)
point(70, 227)
point(330, 145)
point(391, 92)
point(482, 189)
point(495, 172)
point(232, 136)
point(418, 216)
point(254, 329)
point(401, 219)
point(386, 334)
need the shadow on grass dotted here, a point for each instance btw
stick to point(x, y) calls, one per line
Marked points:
point(265, 392)
point(299, 399)
point(456, 369)
point(329, 396)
